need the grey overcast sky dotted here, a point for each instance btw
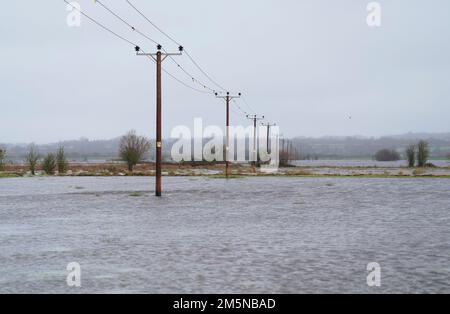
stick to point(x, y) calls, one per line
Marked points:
point(312, 66)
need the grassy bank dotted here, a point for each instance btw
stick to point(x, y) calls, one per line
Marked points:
point(217, 171)
point(245, 175)
point(8, 175)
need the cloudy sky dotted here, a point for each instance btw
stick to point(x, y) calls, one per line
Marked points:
point(312, 66)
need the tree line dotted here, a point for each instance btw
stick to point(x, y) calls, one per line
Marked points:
point(132, 149)
point(51, 163)
point(416, 154)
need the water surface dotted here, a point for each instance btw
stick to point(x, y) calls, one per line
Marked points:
point(254, 235)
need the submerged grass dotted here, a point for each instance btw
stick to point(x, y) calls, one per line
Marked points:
point(222, 176)
point(8, 175)
point(300, 173)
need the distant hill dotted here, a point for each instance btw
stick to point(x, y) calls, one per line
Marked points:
point(75, 149)
point(323, 147)
point(415, 136)
point(82, 149)
point(361, 147)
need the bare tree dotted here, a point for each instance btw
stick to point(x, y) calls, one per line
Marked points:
point(32, 158)
point(411, 155)
point(2, 159)
point(423, 153)
point(132, 148)
point(61, 161)
point(287, 153)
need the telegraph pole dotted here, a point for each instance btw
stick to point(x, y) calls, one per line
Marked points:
point(268, 125)
point(255, 119)
point(228, 98)
point(159, 57)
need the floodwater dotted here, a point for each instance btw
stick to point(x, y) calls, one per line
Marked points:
point(363, 163)
point(251, 235)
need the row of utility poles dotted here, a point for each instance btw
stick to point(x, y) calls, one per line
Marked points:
point(255, 119)
point(268, 125)
point(159, 57)
point(228, 98)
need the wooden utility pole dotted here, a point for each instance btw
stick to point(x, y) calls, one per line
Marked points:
point(268, 125)
point(228, 98)
point(159, 57)
point(255, 119)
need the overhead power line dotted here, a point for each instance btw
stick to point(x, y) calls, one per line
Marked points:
point(204, 73)
point(239, 107)
point(134, 29)
point(100, 25)
point(248, 105)
point(177, 43)
point(153, 24)
point(126, 23)
point(130, 43)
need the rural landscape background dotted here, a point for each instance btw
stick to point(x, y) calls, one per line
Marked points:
point(319, 148)
point(360, 202)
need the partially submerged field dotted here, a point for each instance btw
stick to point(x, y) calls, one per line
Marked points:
point(209, 169)
point(246, 235)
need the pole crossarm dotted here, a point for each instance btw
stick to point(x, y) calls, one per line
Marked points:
point(164, 54)
point(255, 117)
point(228, 96)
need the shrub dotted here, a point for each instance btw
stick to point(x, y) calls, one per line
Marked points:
point(2, 159)
point(423, 152)
point(32, 159)
point(61, 161)
point(387, 155)
point(287, 153)
point(49, 164)
point(419, 172)
point(411, 155)
point(113, 169)
point(132, 148)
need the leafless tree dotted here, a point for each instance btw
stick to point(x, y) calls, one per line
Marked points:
point(132, 148)
point(287, 153)
point(2, 159)
point(61, 161)
point(32, 158)
point(423, 153)
point(411, 155)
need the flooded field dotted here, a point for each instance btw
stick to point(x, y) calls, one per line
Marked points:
point(249, 235)
point(363, 163)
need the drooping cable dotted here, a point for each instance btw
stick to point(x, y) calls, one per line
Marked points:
point(178, 44)
point(191, 77)
point(129, 42)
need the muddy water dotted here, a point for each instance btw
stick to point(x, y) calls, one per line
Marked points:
point(260, 235)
